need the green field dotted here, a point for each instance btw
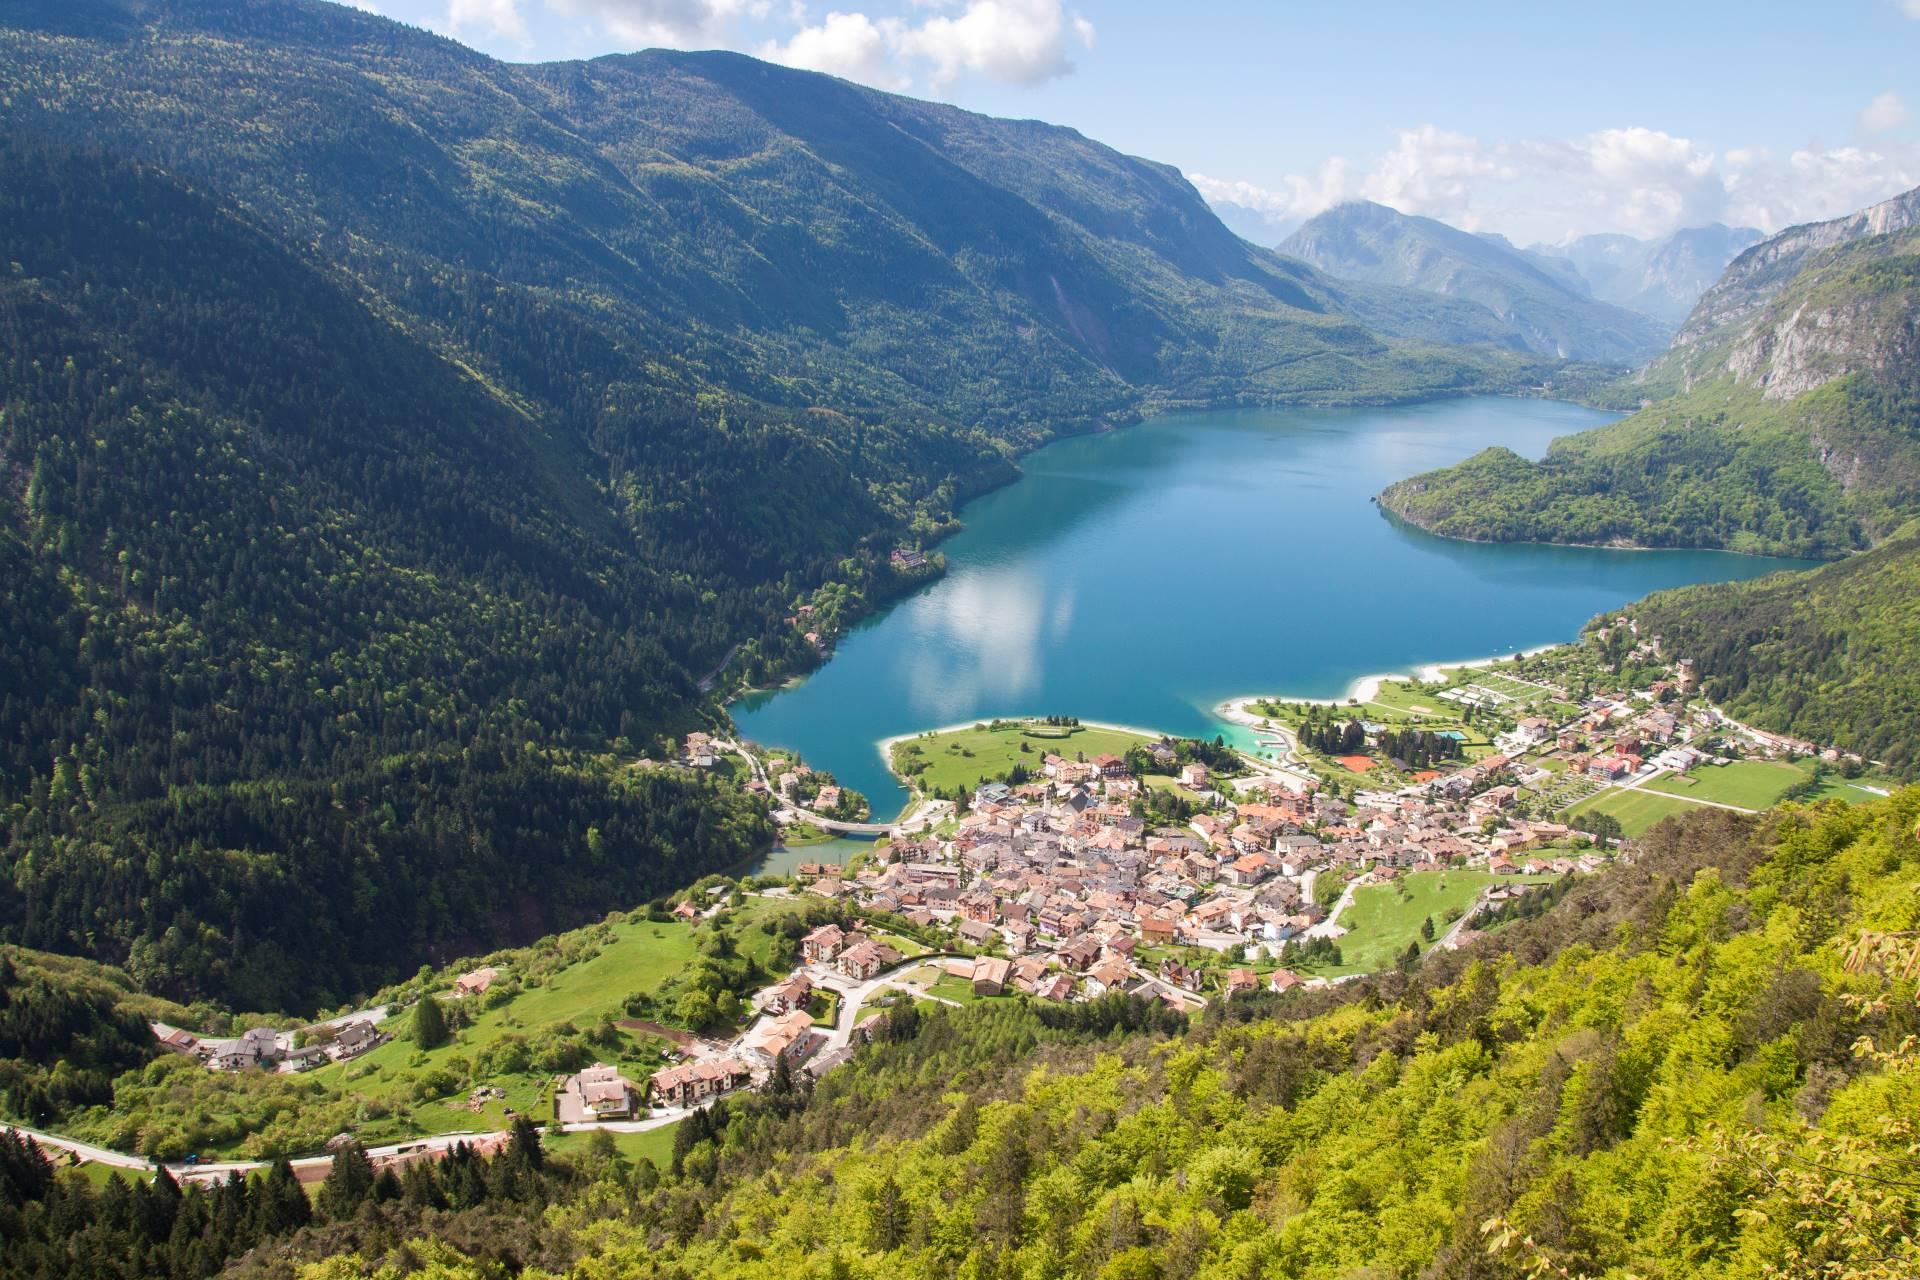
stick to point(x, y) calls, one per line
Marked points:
point(1749, 784)
point(1637, 810)
point(1384, 918)
point(963, 758)
point(655, 1144)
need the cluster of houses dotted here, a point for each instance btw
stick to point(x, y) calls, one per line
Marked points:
point(267, 1049)
point(1074, 893)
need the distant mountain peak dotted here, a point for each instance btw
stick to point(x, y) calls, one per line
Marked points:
point(1543, 303)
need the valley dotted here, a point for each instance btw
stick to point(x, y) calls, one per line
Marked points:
point(773, 657)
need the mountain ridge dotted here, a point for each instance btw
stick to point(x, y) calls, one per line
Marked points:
point(1544, 307)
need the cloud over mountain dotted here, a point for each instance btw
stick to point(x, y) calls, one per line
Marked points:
point(1633, 179)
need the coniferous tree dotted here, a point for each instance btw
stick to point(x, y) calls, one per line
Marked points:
point(348, 1183)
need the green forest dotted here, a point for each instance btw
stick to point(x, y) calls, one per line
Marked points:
point(1830, 656)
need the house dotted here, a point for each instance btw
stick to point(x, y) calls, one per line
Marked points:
point(475, 982)
point(1156, 930)
point(1249, 869)
point(787, 996)
point(1109, 766)
point(1108, 975)
point(1282, 981)
point(990, 974)
point(259, 1047)
point(827, 800)
point(823, 944)
point(1241, 982)
point(788, 1036)
point(977, 932)
point(1609, 768)
point(1058, 987)
point(694, 1082)
point(1176, 974)
point(866, 958)
point(174, 1040)
point(356, 1038)
point(908, 558)
point(1194, 776)
point(603, 1093)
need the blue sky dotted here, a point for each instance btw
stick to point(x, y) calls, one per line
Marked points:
point(1537, 120)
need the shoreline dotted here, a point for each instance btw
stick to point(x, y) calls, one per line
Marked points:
point(1365, 688)
point(1416, 526)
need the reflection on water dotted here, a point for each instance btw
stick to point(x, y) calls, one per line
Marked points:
point(981, 642)
point(1143, 575)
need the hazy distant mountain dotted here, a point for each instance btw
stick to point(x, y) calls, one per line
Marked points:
point(1256, 226)
point(1543, 307)
point(1662, 278)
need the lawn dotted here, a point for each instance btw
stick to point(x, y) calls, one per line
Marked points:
point(1171, 786)
point(1749, 784)
point(655, 1144)
point(907, 947)
point(948, 987)
point(1384, 918)
point(1637, 810)
point(1852, 790)
point(962, 758)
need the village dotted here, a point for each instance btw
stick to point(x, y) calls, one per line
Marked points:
point(1172, 870)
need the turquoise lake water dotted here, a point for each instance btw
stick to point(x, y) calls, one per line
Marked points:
point(1145, 575)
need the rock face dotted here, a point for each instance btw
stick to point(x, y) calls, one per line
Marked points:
point(1811, 345)
point(1754, 280)
point(1542, 305)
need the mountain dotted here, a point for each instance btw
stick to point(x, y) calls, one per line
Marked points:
point(1756, 278)
point(1544, 308)
point(1661, 278)
point(1829, 656)
point(391, 437)
point(1792, 426)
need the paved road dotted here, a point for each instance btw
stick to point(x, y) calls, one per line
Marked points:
point(1330, 927)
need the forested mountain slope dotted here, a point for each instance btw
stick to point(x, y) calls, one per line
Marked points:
point(1542, 305)
point(390, 435)
point(1830, 656)
point(1798, 431)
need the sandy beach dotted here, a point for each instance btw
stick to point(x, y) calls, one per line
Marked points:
point(1366, 688)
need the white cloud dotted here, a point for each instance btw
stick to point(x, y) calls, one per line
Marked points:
point(1817, 183)
point(1911, 8)
point(1299, 197)
point(1433, 172)
point(1019, 41)
point(672, 24)
point(492, 17)
point(1641, 181)
point(845, 44)
point(1016, 41)
point(1884, 112)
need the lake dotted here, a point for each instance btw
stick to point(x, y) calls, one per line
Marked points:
point(1145, 575)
